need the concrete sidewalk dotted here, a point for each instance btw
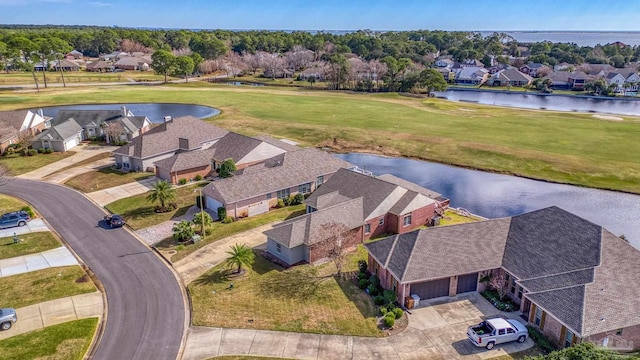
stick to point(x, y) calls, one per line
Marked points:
point(63, 176)
point(205, 258)
point(38, 316)
point(82, 152)
point(35, 225)
point(44, 260)
point(106, 196)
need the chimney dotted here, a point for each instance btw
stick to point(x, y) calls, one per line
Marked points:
point(124, 111)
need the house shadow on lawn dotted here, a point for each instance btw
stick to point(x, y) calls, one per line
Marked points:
point(362, 300)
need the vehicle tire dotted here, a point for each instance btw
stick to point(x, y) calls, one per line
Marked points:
point(522, 339)
point(490, 345)
point(22, 223)
point(6, 325)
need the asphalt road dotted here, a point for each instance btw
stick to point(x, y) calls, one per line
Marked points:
point(146, 311)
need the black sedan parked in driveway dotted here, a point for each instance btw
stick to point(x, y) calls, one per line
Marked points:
point(114, 220)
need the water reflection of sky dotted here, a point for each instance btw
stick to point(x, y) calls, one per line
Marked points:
point(493, 195)
point(155, 112)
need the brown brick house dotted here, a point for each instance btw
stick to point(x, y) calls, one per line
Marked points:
point(365, 205)
point(574, 280)
point(17, 123)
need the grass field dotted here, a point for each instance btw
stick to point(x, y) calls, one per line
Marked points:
point(66, 341)
point(9, 203)
point(18, 164)
point(32, 243)
point(103, 179)
point(301, 299)
point(71, 77)
point(218, 230)
point(563, 147)
point(140, 213)
point(43, 285)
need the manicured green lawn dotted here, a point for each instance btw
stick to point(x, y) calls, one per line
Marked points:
point(68, 341)
point(71, 77)
point(301, 299)
point(18, 164)
point(31, 243)
point(452, 218)
point(43, 285)
point(9, 203)
point(140, 213)
point(559, 146)
point(103, 179)
point(218, 230)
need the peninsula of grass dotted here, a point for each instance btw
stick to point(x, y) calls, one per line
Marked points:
point(43, 285)
point(139, 213)
point(10, 203)
point(31, 243)
point(19, 164)
point(303, 298)
point(104, 179)
point(218, 230)
point(565, 147)
point(69, 340)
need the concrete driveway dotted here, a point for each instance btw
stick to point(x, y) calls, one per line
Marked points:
point(34, 225)
point(106, 196)
point(437, 331)
point(82, 152)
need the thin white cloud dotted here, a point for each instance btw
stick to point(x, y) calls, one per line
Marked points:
point(28, 2)
point(99, 4)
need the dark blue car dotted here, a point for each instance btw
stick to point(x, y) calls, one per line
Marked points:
point(12, 219)
point(114, 220)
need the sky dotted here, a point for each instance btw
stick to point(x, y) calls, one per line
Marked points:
point(451, 15)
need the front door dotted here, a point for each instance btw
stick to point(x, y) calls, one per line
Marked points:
point(526, 307)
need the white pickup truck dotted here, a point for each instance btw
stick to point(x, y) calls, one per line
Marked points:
point(497, 331)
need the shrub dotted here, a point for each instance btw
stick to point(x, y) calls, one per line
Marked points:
point(503, 305)
point(389, 320)
point(41, 151)
point(389, 296)
point(287, 200)
point(373, 290)
point(383, 310)
point(29, 211)
point(297, 199)
point(9, 151)
point(362, 266)
point(222, 213)
point(540, 339)
point(228, 220)
point(374, 280)
point(198, 177)
point(363, 275)
point(48, 151)
point(391, 306)
point(363, 283)
point(398, 313)
point(32, 152)
point(227, 168)
point(280, 203)
point(179, 247)
point(378, 300)
point(182, 181)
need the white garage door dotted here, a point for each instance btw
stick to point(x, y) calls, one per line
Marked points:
point(260, 208)
point(71, 143)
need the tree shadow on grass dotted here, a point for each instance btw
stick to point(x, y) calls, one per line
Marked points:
point(216, 277)
point(358, 297)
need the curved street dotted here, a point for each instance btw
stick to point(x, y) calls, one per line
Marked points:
point(146, 311)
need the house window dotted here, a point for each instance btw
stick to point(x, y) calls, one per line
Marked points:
point(520, 292)
point(319, 180)
point(304, 188)
point(507, 277)
point(381, 221)
point(283, 194)
point(394, 285)
point(407, 220)
point(568, 339)
point(367, 228)
point(619, 332)
point(513, 285)
point(538, 318)
point(278, 248)
point(269, 195)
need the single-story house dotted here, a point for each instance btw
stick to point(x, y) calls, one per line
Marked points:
point(131, 63)
point(577, 79)
point(574, 280)
point(100, 66)
point(17, 123)
point(257, 188)
point(61, 137)
point(559, 80)
point(509, 77)
point(182, 134)
point(74, 55)
point(65, 65)
point(623, 79)
point(244, 151)
point(364, 206)
point(471, 75)
point(532, 68)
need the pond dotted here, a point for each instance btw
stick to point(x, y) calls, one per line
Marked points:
point(494, 195)
point(532, 100)
point(155, 112)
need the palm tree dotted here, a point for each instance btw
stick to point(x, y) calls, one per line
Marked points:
point(161, 192)
point(240, 254)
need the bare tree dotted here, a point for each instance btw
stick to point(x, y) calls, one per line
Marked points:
point(298, 58)
point(498, 281)
point(273, 64)
point(377, 70)
point(113, 132)
point(130, 46)
point(182, 52)
point(334, 242)
point(233, 64)
point(252, 61)
point(25, 137)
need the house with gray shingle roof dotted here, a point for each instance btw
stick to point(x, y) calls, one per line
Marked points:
point(574, 280)
point(17, 123)
point(99, 123)
point(243, 150)
point(62, 137)
point(257, 188)
point(509, 77)
point(365, 205)
point(178, 135)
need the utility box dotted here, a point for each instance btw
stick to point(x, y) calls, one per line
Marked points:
point(408, 302)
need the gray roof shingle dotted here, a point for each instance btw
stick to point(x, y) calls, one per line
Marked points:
point(566, 304)
point(61, 132)
point(410, 185)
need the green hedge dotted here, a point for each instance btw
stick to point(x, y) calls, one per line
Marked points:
point(540, 339)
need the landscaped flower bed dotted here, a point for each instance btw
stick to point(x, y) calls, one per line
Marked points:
point(503, 305)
